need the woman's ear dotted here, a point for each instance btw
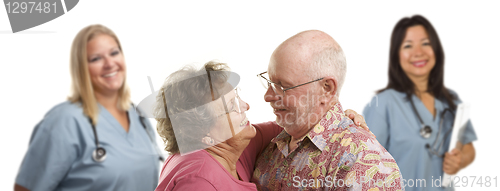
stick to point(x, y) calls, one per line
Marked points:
point(208, 140)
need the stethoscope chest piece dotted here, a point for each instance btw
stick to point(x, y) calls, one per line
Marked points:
point(426, 131)
point(99, 154)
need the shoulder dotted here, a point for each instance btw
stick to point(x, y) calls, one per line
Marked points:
point(454, 95)
point(62, 117)
point(194, 165)
point(383, 100)
point(65, 109)
point(182, 172)
point(268, 126)
point(358, 137)
point(390, 94)
point(452, 92)
point(359, 150)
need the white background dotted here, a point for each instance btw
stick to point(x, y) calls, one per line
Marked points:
point(159, 37)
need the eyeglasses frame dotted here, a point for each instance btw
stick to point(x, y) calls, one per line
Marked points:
point(269, 83)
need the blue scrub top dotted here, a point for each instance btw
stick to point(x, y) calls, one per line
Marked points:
point(391, 118)
point(59, 156)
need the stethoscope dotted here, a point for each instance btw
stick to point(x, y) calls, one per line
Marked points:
point(99, 154)
point(426, 131)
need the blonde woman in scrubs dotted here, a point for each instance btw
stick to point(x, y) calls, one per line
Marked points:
point(60, 153)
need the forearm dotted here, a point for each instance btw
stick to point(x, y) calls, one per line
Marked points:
point(18, 187)
point(468, 155)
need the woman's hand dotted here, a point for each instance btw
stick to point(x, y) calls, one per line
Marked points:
point(358, 119)
point(452, 161)
point(458, 159)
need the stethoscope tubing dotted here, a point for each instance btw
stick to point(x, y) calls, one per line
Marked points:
point(99, 154)
point(426, 131)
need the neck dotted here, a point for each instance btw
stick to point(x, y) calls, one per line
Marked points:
point(107, 100)
point(296, 136)
point(421, 84)
point(228, 152)
point(313, 119)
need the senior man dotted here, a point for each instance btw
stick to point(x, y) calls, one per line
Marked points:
point(319, 147)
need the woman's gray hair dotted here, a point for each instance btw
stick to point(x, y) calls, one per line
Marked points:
point(188, 91)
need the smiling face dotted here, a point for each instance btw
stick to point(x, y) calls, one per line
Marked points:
point(236, 108)
point(295, 111)
point(106, 64)
point(416, 55)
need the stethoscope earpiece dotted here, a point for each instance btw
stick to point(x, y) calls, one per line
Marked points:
point(99, 154)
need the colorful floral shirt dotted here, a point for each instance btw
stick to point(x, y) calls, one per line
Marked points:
point(334, 155)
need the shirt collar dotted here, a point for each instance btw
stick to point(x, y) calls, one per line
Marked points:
point(321, 131)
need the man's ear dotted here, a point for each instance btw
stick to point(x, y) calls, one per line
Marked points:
point(329, 87)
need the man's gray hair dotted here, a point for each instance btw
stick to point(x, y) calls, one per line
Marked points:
point(330, 61)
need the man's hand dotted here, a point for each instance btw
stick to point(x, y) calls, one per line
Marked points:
point(358, 119)
point(451, 162)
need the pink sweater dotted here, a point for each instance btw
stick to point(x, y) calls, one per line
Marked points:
point(200, 170)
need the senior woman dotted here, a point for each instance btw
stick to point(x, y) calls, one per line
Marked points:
point(95, 140)
point(413, 116)
point(212, 144)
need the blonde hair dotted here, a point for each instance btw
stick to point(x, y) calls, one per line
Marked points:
point(81, 85)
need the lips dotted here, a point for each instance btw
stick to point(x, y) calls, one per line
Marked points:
point(420, 63)
point(244, 122)
point(110, 74)
point(279, 111)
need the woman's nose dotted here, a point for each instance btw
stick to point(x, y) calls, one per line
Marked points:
point(418, 51)
point(108, 61)
point(244, 106)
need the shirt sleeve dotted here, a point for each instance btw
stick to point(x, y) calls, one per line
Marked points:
point(52, 150)
point(372, 168)
point(377, 122)
point(468, 134)
point(194, 183)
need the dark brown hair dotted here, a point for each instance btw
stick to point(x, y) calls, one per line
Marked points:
point(398, 80)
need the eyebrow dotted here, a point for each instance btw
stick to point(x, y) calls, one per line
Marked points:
point(420, 40)
point(110, 50)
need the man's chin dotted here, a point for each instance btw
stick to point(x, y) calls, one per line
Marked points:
point(283, 123)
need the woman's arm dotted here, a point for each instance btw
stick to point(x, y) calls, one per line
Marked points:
point(53, 147)
point(18, 187)
point(456, 160)
point(469, 153)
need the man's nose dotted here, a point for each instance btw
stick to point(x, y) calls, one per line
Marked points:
point(271, 95)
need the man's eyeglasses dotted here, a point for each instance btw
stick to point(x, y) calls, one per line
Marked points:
point(278, 89)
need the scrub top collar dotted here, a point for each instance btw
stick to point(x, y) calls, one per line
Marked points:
point(111, 120)
point(428, 119)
